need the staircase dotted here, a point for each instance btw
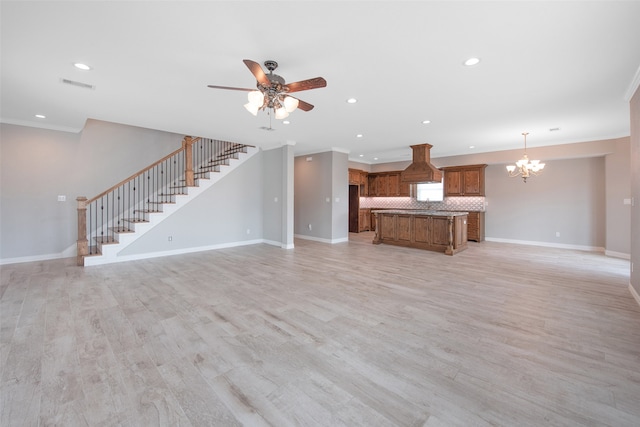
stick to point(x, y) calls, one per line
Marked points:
point(117, 217)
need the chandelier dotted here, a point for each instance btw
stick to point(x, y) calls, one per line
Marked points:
point(525, 167)
point(271, 97)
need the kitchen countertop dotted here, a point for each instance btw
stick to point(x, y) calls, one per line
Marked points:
point(419, 212)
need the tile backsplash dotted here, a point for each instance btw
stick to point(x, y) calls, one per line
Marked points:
point(449, 203)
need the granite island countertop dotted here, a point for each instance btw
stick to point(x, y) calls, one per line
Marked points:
point(419, 212)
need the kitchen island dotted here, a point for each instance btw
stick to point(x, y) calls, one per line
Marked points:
point(439, 231)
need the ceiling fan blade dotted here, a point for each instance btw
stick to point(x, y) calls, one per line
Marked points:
point(230, 88)
point(304, 106)
point(256, 70)
point(314, 83)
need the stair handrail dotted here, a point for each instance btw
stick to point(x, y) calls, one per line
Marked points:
point(186, 142)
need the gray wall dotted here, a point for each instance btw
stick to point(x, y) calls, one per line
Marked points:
point(228, 212)
point(273, 194)
point(340, 193)
point(37, 165)
point(567, 198)
point(635, 192)
point(278, 197)
point(321, 196)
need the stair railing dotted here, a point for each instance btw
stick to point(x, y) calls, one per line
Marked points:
point(130, 201)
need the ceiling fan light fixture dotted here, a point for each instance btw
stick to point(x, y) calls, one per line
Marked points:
point(281, 113)
point(290, 103)
point(256, 98)
point(252, 108)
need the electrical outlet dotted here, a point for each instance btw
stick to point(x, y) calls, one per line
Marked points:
point(309, 226)
point(557, 234)
point(248, 231)
point(62, 198)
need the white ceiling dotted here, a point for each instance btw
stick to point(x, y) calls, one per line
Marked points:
point(556, 64)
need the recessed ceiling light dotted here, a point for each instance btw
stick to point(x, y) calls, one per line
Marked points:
point(41, 116)
point(285, 122)
point(359, 135)
point(361, 155)
point(81, 66)
point(352, 101)
point(375, 158)
point(426, 122)
point(472, 147)
point(472, 61)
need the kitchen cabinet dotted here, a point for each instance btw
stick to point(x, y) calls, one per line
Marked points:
point(354, 176)
point(387, 184)
point(475, 226)
point(464, 180)
point(360, 178)
point(364, 220)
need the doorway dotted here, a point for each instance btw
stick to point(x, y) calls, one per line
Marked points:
point(354, 208)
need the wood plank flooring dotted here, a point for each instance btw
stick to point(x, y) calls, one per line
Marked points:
point(351, 334)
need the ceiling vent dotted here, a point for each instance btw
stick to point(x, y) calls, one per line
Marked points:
point(78, 84)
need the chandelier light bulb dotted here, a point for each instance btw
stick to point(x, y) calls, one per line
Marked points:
point(525, 167)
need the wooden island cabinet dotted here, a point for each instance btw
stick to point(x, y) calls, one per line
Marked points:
point(438, 231)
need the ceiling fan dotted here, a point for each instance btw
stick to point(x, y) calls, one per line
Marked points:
point(273, 92)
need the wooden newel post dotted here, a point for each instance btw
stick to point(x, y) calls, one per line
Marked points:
point(449, 249)
point(376, 229)
point(82, 243)
point(187, 144)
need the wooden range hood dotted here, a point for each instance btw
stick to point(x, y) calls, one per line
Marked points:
point(421, 170)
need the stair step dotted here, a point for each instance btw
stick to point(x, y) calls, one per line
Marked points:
point(135, 220)
point(161, 203)
point(212, 167)
point(173, 194)
point(105, 240)
point(224, 157)
point(217, 162)
point(146, 211)
point(121, 230)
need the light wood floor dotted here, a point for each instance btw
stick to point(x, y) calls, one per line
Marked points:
point(349, 334)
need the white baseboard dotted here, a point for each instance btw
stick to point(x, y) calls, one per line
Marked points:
point(320, 239)
point(34, 258)
point(280, 244)
point(71, 253)
point(634, 293)
point(615, 254)
point(547, 244)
